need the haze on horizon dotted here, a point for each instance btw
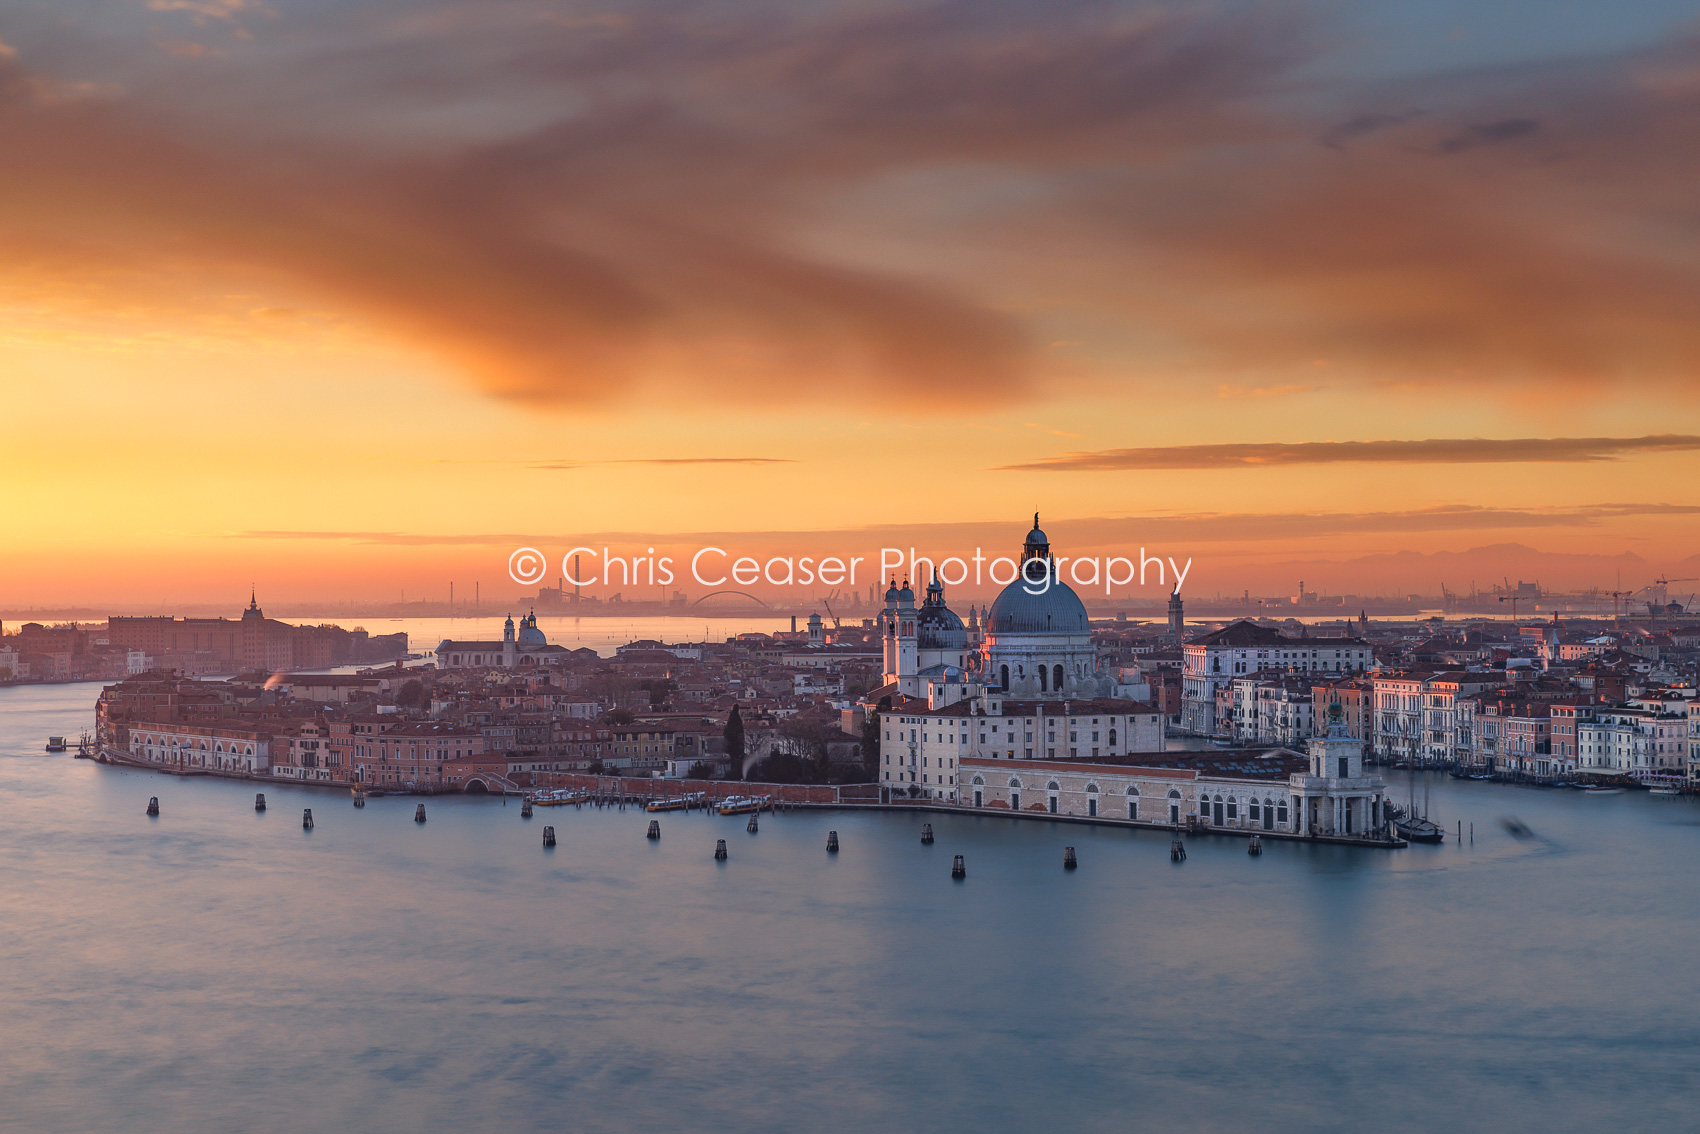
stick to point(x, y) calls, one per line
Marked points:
point(339, 299)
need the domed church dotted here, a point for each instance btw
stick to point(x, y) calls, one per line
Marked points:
point(925, 645)
point(1020, 681)
point(1039, 645)
point(525, 648)
point(1034, 643)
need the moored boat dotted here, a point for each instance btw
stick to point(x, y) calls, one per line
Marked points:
point(557, 798)
point(744, 804)
point(56, 744)
point(1418, 830)
point(677, 802)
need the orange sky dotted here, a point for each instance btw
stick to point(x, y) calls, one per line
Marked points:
point(341, 301)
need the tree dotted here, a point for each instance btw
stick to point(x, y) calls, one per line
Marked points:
point(700, 771)
point(596, 768)
point(734, 737)
point(410, 695)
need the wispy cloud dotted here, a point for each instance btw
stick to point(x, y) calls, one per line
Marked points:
point(1435, 451)
point(1073, 534)
point(567, 463)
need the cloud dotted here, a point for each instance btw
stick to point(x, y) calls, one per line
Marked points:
point(847, 200)
point(1069, 536)
point(1488, 134)
point(1435, 451)
point(650, 233)
point(1335, 137)
point(565, 465)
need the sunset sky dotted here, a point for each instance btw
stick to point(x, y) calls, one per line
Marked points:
point(344, 298)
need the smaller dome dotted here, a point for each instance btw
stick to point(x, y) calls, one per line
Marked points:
point(906, 595)
point(891, 592)
point(529, 635)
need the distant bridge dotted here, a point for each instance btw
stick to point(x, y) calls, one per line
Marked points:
point(746, 594)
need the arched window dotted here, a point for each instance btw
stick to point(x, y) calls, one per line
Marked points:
point(1233, 809)
point(1112, 738)
point(1042, 679)
point(1057, 679)
point(1173, 793)
point(1052, 786)
point(979, 781)
point(1003, 674)
point(1092, 789)
point(1015, 782)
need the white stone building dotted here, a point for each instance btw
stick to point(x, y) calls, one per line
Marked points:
point(1213, 660)
point(921, 750)
point(213, 747)
point(1634, 742)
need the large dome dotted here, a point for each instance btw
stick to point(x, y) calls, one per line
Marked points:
point(1056, 611)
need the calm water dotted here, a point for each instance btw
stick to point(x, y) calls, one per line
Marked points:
point(218, 970)
point(602, 634)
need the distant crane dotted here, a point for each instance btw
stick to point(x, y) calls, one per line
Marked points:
point(829, 614)
point(1659, 598)
point(1512, 599)
point(1616, 619)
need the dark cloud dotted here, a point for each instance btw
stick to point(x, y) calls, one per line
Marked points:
point(1488, 134)
point(1335, 137)
point(1435, 451)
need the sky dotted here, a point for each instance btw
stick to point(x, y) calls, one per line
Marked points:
point(346, 300)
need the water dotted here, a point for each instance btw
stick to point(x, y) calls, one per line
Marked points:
point(218, 970)
point(600, 633)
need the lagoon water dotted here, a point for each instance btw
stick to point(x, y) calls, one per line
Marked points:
point(214, 969)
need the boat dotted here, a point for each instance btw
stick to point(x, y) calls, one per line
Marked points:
point(744, 804)
point(56, 744)
point(678, 802)
point(1666, 790)
point(1418, 830)
point(558, 798)
point(1602, 791)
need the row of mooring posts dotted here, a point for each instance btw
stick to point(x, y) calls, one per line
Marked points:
point(958, 868)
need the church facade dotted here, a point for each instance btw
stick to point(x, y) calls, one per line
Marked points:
point(525, 647)
point(1025, 668)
